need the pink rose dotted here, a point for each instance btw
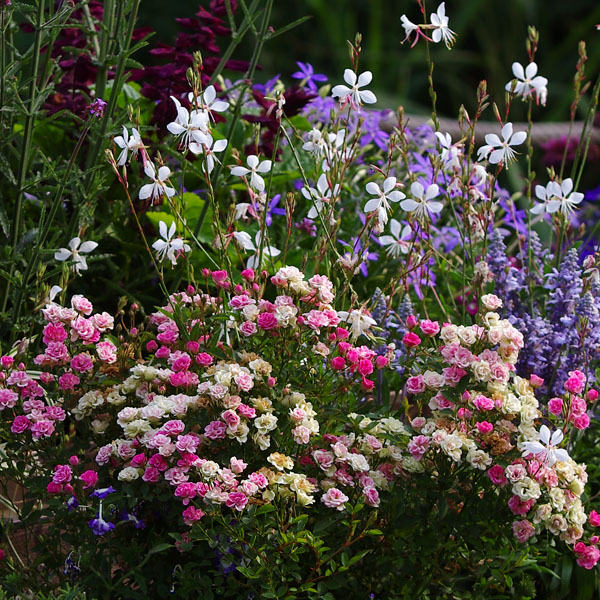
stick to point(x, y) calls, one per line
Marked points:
point(204, 359)
point(54, 333)
point(555, 406)
point(246, 411)
point(497, 475)
point(267, 321)
point(371, 496)
point(518, 506)
point(81, 304)
point(580, 421)
point(248, 328)
point(82, 362)
point(411, 340)
point(191, 515)
point(20, 424)
point(62, 474)
point(415, 385)
point(411, 321)
point(594, 518)
point(151, 475)
point(215, 430)
point(107, 352)
point(8, 398)
point(237, 500)
point(574, 385)
point(89, 478)
point(523, 530)
point(589, 557)
point(103, 322)
point(484, 427)
point(483, 403)
point(334, 498)
point(430, 327)
point(185, 491)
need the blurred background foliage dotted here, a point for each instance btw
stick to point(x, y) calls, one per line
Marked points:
point(491, 36)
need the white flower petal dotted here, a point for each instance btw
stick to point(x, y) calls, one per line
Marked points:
point(88, 247)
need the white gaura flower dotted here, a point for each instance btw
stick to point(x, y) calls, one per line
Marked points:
point(74, 253)
point(527, 82)
point(563, 198)
point(409, 28)
point(557, 197)
point(256, 167)
point(191, 126)
point(441, 31)
point(399, 242)
point(545, 450)
point(384, 196)
point(352, 93)
point(422, 202)
point(358, 321)
point(169, 247)
point(320, 196)
point(334, 152)
point(245, 241)
point(499, 150)
point(544, 194)
point(209, 149)
point(315, 142)
point(450, 154)
point(128, 143)
point(158, 187)
point(207, 101)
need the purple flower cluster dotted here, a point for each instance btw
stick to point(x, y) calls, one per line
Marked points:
point(561, 334)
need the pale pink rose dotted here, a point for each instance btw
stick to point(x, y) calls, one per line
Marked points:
point(82, 304)
point(248, 328)
point(491, 302)
point(430, 327)
point(107, 352)
point(415, 385)
point(301, 434)
point(259, 479)
point(334, 498)
point(371, 496)
point(103, 321)
point(244, 381)
point(237, 465)
point(523, 530)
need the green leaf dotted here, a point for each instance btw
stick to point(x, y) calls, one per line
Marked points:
point(159, 548)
